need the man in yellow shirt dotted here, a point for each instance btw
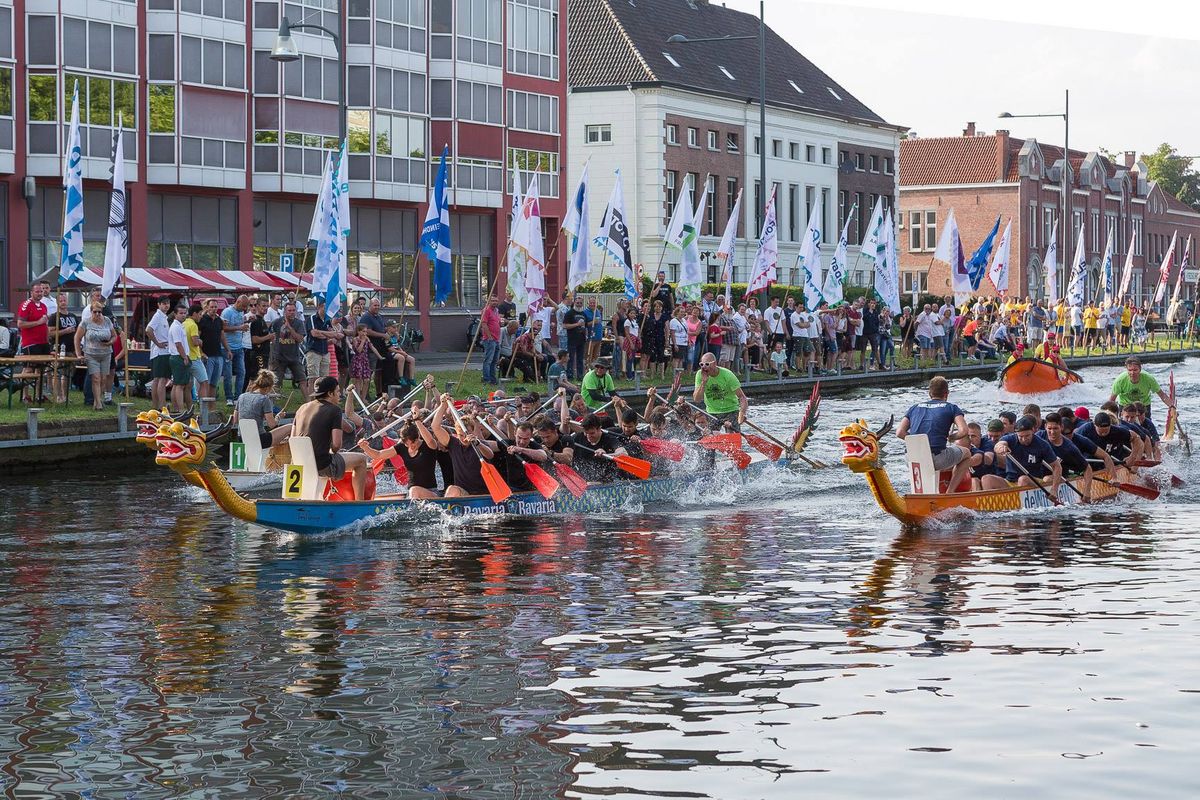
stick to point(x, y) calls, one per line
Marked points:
point(1090, 315)
point(1126, 322)
point(1060, 317)
point(191, 328)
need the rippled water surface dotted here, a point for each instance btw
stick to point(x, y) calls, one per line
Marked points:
point(779, 639)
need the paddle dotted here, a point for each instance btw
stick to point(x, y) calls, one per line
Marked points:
point(1021, 468)
point(672, 451)
point(574, 482)
point(400, 471)
point(1176, 481)
point(638, 467)
point(729, 444)
point(778, 447)
point(541, 480)
point(496, 485)
point(1141, 491)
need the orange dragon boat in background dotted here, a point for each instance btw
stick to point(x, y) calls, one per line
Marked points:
point(1035, 376)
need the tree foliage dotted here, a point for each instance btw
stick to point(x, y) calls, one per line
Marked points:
point(1174, 173)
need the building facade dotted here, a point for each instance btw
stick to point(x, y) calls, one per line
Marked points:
point(227, 145)
point(984, 176)
point(666, 114)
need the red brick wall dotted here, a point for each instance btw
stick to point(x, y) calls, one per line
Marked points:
point(719, 163)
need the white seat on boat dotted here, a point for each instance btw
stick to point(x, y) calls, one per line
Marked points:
point(921, 474)
point(312, 485)
point(255, 455)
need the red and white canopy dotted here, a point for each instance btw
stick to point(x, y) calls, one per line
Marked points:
point(162, 279)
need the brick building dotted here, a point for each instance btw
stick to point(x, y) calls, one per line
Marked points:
point(982, 176)
point(227, 148)
point(665, 113)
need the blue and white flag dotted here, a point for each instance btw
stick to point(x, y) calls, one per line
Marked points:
point(72, 238)
point(1106, 270)
point(887, 266)
point(1078, 279)
point(116, 246)
point(319, 218)
point(978, 263)
point(435, 235)
point(614, 237)
point(330, 272)
point(576, 224)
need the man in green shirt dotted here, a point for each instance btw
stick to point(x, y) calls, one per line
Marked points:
point(721, 392)
point(597, 386)
point(1135, 387)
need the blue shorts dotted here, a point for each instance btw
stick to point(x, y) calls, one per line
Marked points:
point(831, 345)
point(924, 342)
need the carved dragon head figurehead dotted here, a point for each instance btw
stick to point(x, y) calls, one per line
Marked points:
point(862, 451)
point(181, 447)
point(148, 423)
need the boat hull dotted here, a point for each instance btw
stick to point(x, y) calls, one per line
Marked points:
point(930, 506)
point(307, 517)
point(1034, 376)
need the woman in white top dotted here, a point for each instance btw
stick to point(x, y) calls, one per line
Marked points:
point(678, 332)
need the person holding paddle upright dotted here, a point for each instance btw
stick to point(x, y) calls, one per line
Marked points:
point(467, 452)
point(721, 392)
point(590, 448)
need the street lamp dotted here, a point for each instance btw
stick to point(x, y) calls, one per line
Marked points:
point(1065, 182)
point(285, 51)
point(762, 94)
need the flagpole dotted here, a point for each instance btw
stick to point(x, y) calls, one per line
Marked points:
point(471, 346)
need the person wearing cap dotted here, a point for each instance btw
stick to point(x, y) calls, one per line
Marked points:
point(598, 386)
point(944, 423)
point(320, 419)
point(1120, 443)
point(1034, 454)
point(721, 392)
point(1136, 386)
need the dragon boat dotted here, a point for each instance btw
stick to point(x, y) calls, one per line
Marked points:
point(1035, 376)
point(863, 454)
point(183, 448)
point(257, 476)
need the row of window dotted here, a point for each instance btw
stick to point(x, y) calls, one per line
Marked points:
point(708, 225)
point(713, 138)
point(86, 44)
point(233, 10)
point(864, 162)
point(922, 231)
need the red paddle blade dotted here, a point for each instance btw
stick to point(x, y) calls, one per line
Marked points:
point(741, 459)
point(1177, 481)
point(1141, 491)
point(727, 443)
point(497, 488)
point(765, 446)
point(637, 467)
point(574, 482)
point(672, 451)
point(541, 480)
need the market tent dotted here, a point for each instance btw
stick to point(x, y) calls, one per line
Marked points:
point(357, 284)
point(163, 279)
point(135, 279)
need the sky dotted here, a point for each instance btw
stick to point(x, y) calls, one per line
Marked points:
point(935, 65)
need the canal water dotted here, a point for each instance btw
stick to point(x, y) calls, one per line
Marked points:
point(773, 640)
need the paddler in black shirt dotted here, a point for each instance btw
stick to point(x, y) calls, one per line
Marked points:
point(320, 419)
point(466, 448)
point(418, 449)
point(587, 446)
point(511, 458)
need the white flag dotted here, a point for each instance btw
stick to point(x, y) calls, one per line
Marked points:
point(1078, 273)
point(341, 199)
point(576, 224)
point(887, 275)
point(835, 279)
point(728, 243)
point(1051, 267)
point(329, 267)
point(1105, 291)
point(998, 272)
point(527, 237)
point(691, 274)
point(871, 240)
point(1164, 272)
point(764, 273)
point(318, 218)
point(680, 216)
point(808, 260)
point(1126, 273)
point(116, 246)
point(71, 249)
point(516, 257)
point(614, 237)
point(950, 251)
point(1183, 265)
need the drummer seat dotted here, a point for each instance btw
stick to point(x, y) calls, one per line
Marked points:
point(922, 476)
point(255, 456)
point(312, 485)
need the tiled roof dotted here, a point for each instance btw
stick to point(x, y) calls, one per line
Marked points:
point(1175, 204)
point(617, 42)
point(949, 159)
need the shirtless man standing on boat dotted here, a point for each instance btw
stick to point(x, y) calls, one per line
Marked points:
point(944, 423)
point(320, 419)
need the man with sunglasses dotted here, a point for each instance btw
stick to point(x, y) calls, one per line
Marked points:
point(721, 392)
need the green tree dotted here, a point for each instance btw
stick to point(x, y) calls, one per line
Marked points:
point(1174, 173)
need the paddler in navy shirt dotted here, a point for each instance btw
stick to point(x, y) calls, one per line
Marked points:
point(943, 422)
point(1073, 461)
point(1118, 442)
point(1036, 455)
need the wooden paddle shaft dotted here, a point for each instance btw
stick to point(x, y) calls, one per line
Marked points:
point(1021, 467)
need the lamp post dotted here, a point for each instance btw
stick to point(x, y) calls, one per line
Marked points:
point(285, 51)
point(762, 94)
point(1065, 182)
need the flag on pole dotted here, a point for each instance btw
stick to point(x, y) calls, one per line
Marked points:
point(1183, 266)
point(329, 269)
point(576, 224)
point(72, 238)
point(681, 215)
point(691, 276)
point(116, 247)
point(808, 260)
point(701, 206)
point(1164, 272)
point(527, 237)
point(870, 245)
point(1126, 273)
point(614, 237)
point(835, 279)
point(516, 256)
point(766, 260)
point(435, 234)
point(998, 272)
point(1051, 267)
point(319, 219)
point(977, 265)
point(728, 243)
point(1078, 279)
point(887, 270)
point(1106, 271)
point(950, 251)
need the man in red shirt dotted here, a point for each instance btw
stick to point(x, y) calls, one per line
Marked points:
point(33, 323)
point(489, 334)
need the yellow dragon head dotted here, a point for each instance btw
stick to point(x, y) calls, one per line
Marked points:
point(861, 447)
point(148, 423)
point(180, 447)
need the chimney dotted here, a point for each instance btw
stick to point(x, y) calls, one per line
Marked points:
point(969, 130)
point(1130, 158)
point(1001, 155)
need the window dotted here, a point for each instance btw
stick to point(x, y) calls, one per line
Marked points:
point(204, 229)
point(1096, 230)
point(162, 123)
point(672, 191)
point(397, 90)
point(757, 145)
point(541, 162)
point(731, 142)
point(216, 63)
point(709, 223)
point(826, 155)
point(887, 165)
point(670, 59)
point(535, 112)
point(712, 140)
point(597, 134)
point(810, 197)
point(1033, 224)
point(228, 9)
point(859, 216)
point(836, 96)
point(693, 137)
point(794, 86)
point(758, 206)
point(859, 162)
point(777, 148)
point(731, 194)
point(480, 174)
point(98, 46)
point(810, 153)
point(479, 102)
point(399, 24)
point(303, 153)
point(42, 35)
point(914, 232)
point(874, 163)
point(1047, 224)
point(441, 25)
point(478, 31)
point(793, 212)
point(914, 282)
point(793, 151)
point(399, 149)
point(103, 103)
point(672, 134)
point(533, 38)
point(930, 230)
point(1137, 236)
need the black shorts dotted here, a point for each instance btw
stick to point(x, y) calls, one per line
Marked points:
point(38, 349)
point(336, 467)
point(679, 351)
